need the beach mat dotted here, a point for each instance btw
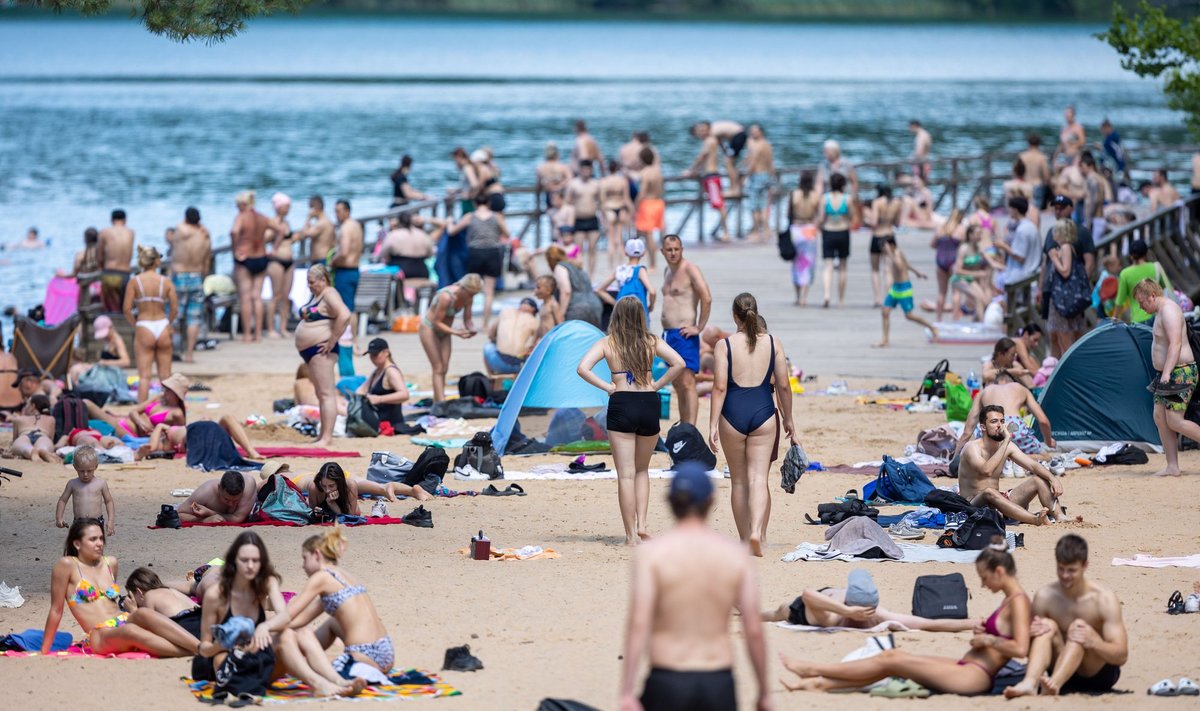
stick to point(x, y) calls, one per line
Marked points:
point(913, 553)
point(440, 442)
point(75, 652)
point(510, 475)
point(381, 521)
point(886, 626)
point(410, 684)
point(304, 452)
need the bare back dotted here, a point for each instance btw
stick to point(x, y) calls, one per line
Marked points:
point(650, 186)
point(249, 234)
point(750, 368)
point(191, 249)
point(116, 244)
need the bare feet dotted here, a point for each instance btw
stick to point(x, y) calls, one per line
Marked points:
point(1022, 689)
point(1169, 471)
point(756, 547)
point(798, 667)
point(1049, 688)
point(643, 534)
point(253, 454)
point(814, 684)
point(322, 443)
point(354, 688)
point(1042, 517)
point(934, 331)
point(881, 344)
point(631, 542)
point(420, 494)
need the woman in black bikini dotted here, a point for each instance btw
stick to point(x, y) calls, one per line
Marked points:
point(33, 431)
point(280, 266)
point(322, 321)
point(633, 405)
point(1003, 636)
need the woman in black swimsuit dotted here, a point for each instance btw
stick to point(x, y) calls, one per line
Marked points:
point(280, 266)
point(385, 389)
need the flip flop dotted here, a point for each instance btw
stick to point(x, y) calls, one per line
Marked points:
point(183, 493)
point(1175, 605)
point(900, 689)
point(1187, 687)
point(512, 490)
point(1163, 688)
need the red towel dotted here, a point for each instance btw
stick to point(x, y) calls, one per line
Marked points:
point(370, 522)
point(303, 452)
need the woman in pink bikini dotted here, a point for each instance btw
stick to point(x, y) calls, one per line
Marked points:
point(150, 293)
point(1003, 636)
point(168, 408)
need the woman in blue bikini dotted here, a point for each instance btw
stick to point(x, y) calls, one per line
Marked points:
point(744, 418)
point(322, 321)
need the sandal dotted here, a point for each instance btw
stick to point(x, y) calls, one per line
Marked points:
point(512, 490)
point(1163, 688)
point(1187, 687)
point(1175, 605)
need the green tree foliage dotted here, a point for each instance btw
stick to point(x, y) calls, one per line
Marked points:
point(184, 20)
point(1155, 44)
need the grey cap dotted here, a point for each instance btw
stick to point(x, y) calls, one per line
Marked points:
point(861, 590)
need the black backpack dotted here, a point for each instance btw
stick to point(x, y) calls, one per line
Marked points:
point(940, 597)
point(244, 672)
point(481, 454)
point(976, 532)
point(429, 469)
point(934, 383)
point(948, 502)
point(475, 385)
point(787, 248)
point(686, 444)
point(70, 413)
point(830, 514)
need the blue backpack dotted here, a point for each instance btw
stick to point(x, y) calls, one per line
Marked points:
point(900, 482)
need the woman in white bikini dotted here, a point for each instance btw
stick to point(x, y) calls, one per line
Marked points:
point(151, 292)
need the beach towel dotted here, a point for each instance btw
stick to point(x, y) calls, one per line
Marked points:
point(410, 684)
point(31, 641)
point(380, 521)
point(563, 475)
point(912, 553)
point(442, 442)
point(211, 449)
point(311, 452)
point(886, 626)
point(526, 553)
point(1142, 560)
point(75, 651)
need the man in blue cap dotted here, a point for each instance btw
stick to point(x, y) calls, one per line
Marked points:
point(686, 583)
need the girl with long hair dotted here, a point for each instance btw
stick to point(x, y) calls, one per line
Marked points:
point(633, 405)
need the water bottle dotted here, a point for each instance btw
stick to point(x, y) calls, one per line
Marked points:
point(972, 381)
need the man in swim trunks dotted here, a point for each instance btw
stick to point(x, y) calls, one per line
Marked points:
point(982, 464)
point(583, 195)
point(1012, 396)
point(191, 254)
point(511, 338)
point(228, 499)
point(552, 176)
point(686, 583)
point(760, 171)
point(344, 261)
point(651, 208)
point(114, 251)
point(248, 238)
point(922, 144)
point(319, 229)
point(1172, 357)
point(705, 166)
point(586, 149)
point(1077, 627)
point(900, 293)
point(687, 303)
point(1037, 170)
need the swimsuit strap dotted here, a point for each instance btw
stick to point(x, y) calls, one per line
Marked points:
point(729, 352)
point(770, 364)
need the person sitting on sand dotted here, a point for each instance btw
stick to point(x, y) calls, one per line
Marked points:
point(168, 408)
point(1011, 396)
point(33, 431)
point(1004, 357)
point(352, 618)
point(1077, 627)
point(228, 499)
point(1003, 636)
point(900, 293)
point(982, 464)
point(148, 594)
point(88, 493)
point(336, 494)
point(172, 439)
point(857, 606)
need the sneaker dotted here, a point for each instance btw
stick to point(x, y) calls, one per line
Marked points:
point(469, 473)
point(905, 531)
point(418, 517)
point(461, 659)
point(1192, 604)
point(379, 510)
point(168, 517)
point(1056, 466)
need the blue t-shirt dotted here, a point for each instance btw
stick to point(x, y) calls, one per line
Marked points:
point(630, 284)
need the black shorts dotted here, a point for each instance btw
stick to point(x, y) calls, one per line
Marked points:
point(1102, 681)
point(497, 203)
point(835, 244)
point(634, 413)
point(797, 613)
point(190, 621)
point(878, 242)
point(485, 261)
point(737, 142)
point(587, 224)
point(668, 690)
point(413, 267)
point(255, 265)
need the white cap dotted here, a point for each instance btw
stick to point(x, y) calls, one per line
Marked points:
point(635, 247)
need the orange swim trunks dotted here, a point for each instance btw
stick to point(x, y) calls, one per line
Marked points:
point(650, 215)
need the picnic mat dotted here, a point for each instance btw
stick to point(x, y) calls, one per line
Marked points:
point(411, 684)
point(382, 520)
point(304, 452)
point(77, 651)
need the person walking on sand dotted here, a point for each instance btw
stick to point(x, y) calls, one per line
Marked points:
point(1171, 354)
point(248, 238)
point(191, 254)
point(153, 295)
point(900, 293)
point(687, 303)
point(1077, 628)
point(744, 419)
point(686, 584)
point(629, 349)
point(804, 204)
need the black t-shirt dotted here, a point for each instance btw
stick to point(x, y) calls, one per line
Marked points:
point(398, 181)
point(1083, 241)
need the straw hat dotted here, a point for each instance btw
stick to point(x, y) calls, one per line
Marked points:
point(178, 384)
point(272, 468)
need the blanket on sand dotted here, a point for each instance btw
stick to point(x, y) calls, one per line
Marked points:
point(886, 626)
point(75, 651)
point(410, 684)
point(913, 553)
point(382, 520)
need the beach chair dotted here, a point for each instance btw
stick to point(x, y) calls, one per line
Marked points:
point(376, 294)
point(46, 350)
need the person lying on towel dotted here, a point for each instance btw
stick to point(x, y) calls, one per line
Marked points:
point(228, 499)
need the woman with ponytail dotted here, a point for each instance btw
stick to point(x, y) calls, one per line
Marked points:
point(744, 418)
point(369, 653)
point(1003, 636)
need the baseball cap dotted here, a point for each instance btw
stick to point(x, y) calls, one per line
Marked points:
point(691, 479)
point(530, 303)
point(377, 345)
point(861, 590)
point(635, 247)
point(101, 327)
point(1062, 201)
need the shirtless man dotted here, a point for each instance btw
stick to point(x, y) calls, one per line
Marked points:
point(229, 498)
point(250, 263)
point(407, 245)
point(114, 251)
point(1162, 193)
point(1037, 170)
point(586, 149)
point(685, 585)
point(650, 213)
point(705, 166)
point(552, 176)
point(544, 291)
point(191, 254)
point(922, 144)
point(1011, 396)
point(319, 229)
point(1172, 357)
point(511, 338)
point(630, 153)
point(687, 303)
point(349, 252)
point(583, 195)
point(883, 218)
point(1071, 139)
point(1077, 627)
point(982, 463)
point(760, 170)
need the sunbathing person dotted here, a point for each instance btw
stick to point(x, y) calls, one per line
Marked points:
point(80, 437)
point(172, 439)
point(857, 606)
point(168, 408)
point(1077, 627)
point(1011, 396)
point(1004, 636)
point(227, 499)
point(33, 431)
point(982, 464)
point(353, 619)
point(337, 494)
point(86, 580)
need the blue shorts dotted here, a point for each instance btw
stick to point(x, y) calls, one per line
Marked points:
point(901, 294)
point(345, 281)
point(189, 288)
point(757, 186)
point(500, 363)
point(687, 348)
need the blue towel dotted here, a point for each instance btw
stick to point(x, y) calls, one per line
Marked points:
point(236, 630)
point(31, 641)
point(210, 449)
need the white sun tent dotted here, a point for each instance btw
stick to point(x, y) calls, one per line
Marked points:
point(548, 378)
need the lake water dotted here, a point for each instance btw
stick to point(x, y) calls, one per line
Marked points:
point(97, 114)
